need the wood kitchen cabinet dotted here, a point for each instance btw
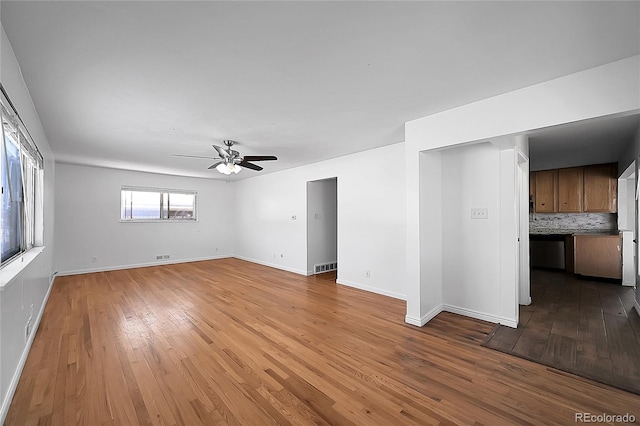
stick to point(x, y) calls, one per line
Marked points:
point(601, 188)
point(598, 256)
point(546, 192)
point(570, 190)
point(532, 191)
point(575, 189)
point(532, 185)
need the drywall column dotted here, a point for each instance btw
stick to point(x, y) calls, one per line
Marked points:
point(509, 248)
point(428, 298)
point(413, 245)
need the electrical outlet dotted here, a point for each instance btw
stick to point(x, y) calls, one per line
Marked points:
point(367, 274)
point(479, 213)
point(27, 330)
point(94, 259)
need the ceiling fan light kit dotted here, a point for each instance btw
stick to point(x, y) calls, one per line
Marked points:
point(231, 161)
point(228, 168)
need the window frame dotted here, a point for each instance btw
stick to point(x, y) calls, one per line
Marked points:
point(162, 192)
point(31, 181)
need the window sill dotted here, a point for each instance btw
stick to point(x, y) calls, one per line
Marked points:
point(9, 272)
point(160, 221)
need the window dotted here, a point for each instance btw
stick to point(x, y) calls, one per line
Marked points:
point(157, 204)
point(21, 170)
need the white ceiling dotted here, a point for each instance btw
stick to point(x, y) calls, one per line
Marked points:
point(128, 84)
point(597, 141)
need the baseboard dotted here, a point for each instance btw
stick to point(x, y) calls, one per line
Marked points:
point(23, 359)
point(509, 322)
point(139, 265)
point(376, 290)
point(528, 302)
point(272, 265)
point(637, 306)
point(419, 322)
point(628, 283)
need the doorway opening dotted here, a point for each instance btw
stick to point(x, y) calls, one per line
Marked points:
point(581, 318)
point(322, 226)
point(627, 223)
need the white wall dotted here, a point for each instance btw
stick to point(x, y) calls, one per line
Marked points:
point(32, 285)
point(471, 179)
point(322, 222)
point(426, 298)
point(610, 89)
point(88, 221)
point(371, 217)
point(462, 264)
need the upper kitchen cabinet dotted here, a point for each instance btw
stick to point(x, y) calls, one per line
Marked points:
point(570, 190)
point(575, 189)
point(601, 188)
point(546, 190)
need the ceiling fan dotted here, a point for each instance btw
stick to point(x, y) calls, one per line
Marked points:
point(230, 160)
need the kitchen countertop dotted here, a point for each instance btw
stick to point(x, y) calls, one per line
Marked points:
point(550, 231)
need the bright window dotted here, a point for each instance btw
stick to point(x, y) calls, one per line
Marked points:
point(21, 170)
point(157, 204)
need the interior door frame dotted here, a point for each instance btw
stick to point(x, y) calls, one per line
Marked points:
point(524, 273)
point(627, 223)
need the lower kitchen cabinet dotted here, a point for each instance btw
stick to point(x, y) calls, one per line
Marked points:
point(598, 255)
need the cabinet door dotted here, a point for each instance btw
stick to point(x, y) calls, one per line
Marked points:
point(600, 188)
point(546, 191)
point(598, 256)
point(532, 191)
point(570, 183)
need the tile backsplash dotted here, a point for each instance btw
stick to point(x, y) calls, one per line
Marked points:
point(573, 221)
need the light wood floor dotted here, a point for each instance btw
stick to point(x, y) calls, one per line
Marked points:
point(230, 342)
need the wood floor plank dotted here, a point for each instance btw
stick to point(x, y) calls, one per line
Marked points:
point(234, 343)
point(586, 331)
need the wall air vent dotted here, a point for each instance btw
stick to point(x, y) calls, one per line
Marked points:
point(325, 267)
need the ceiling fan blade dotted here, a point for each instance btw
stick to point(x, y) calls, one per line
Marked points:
point(221, 151)
point(244, 163)
point(259, 157)
point(195, 156)
point(213, 166)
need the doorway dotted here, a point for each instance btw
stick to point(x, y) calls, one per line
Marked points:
point(627, 223)
point(523, 294)
point(322, 226)
point(580, 323)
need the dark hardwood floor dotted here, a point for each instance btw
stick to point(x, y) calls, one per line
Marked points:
point(231, 342)
point(578, 325)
